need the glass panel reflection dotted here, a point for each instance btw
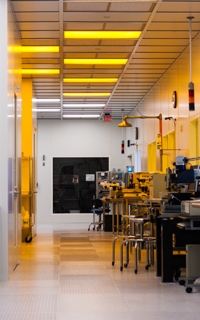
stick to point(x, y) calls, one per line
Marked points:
point(73, 185)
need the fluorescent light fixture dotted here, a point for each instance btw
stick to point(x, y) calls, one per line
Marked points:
point(90, 80)
point(47, 110)
point(95, 61)
point(81, 115)
point(44, 49)
point(86, 94)
point(40, 71)
point(96, 105)
point(45, 100)
point(102, 34)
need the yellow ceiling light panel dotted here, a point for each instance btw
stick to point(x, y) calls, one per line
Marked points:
point(40, 71)
point(86, 94)
point(89, 80)
point(102, 34)
point(15, 49)
point(95, 61)
point(40, 49)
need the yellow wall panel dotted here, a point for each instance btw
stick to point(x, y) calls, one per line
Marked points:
point(194, 140)
point(27, 117)
point(152, 157)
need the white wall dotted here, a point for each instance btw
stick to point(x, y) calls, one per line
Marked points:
point(9, 83)
point(73, 138)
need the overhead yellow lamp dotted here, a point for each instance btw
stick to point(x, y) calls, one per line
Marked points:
point(86, 94)
point(89, 80)
point(40, 71)
point(39, 49)
point(102, 34)
point(33, 49)
point(95, 61)
point(124, 124)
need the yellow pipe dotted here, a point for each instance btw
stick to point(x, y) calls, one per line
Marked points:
point(144, 117)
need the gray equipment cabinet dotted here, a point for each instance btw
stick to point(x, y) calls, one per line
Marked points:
point(100, 177)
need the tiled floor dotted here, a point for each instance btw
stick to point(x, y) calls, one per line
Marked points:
point(66, 274)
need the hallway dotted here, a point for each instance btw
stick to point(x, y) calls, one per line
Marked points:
point(66, 273)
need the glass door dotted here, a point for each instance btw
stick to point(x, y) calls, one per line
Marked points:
point(17, 185)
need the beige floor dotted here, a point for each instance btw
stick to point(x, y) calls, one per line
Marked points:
point(66, 274)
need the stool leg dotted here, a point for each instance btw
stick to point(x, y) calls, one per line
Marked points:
point(127, 254)
point(113, 253)
point(147, 248)
point(139, 251)
point(94, 219)
point(122, 244)
point(131, 246)
point(136, 244)
point(152, 253)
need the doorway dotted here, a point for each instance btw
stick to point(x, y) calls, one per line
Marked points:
point(17, 185)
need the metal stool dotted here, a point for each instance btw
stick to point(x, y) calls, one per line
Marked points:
point(140, 240)
point(96, 210)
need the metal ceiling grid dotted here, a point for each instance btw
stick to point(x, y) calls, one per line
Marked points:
point(165, 38)
point(165, 35)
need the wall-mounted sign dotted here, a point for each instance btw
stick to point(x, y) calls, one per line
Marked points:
point(159, 141)
point(90, 177)
point(107, 118)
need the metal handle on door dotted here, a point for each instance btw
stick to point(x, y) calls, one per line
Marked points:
point(16, 192)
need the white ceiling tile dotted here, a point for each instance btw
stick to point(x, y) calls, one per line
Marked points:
point(40, 66)
point(174, 26)
point(40, 42)
point(112, 55)
point(160, 49)
point(179, 6)
point(39, 26)
point(85, 6)
point(120, 42)
point(41, 55)
point(105, 16)
point(148, 66)
point(131, 6)
point(175, 17)
point(97, 49)
point(168, 34)
point(40, 34)
point(92, 71)
point(83, 26)
point(81, 42)
point(25, 6)
point(82, 55)
point(165, 42)
point(156, 55)
point(123, 26)
point(156, 61)
point(37, 17)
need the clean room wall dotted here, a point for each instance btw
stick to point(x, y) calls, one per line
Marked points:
point(9, 83)
point(73, 138)
point(159, 100)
